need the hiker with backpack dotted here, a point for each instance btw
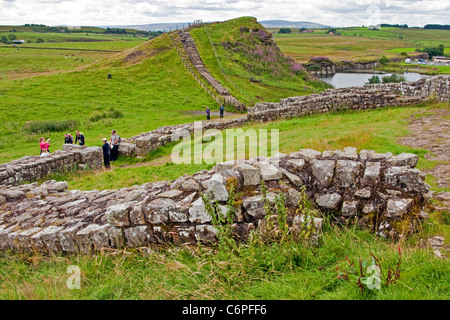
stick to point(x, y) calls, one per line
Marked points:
point(114, 143)
point(79, 137)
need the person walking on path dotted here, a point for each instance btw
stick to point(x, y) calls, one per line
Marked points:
point(80, 137)
point(106, 153)
point(44, 145)
point(208, 113)
point(222, 109)
point(114, 145)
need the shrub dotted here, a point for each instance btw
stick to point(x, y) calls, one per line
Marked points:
point(393, 78)
point(39, 40)
point(111, 113)
point(50, 126)
point(374, 79)
point(383, 60)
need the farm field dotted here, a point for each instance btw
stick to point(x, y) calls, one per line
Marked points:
point(359, 44)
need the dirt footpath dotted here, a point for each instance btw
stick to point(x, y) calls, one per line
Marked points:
point(432, 132)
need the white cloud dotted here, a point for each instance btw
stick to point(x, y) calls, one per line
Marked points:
point(134, 12)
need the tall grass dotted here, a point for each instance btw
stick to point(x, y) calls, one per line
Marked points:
point(41, 126)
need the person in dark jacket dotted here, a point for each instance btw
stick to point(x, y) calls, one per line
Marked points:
point(106, 156)
point(222, 109)
point(80, 137)
point(68, 139)
point(208, 113)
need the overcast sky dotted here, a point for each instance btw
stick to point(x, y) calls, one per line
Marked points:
point(136, 12)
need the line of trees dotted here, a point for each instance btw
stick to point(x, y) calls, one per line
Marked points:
point(433, 51)
point(437, 26)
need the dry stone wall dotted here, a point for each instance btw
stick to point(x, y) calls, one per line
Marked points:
point(355, 98)
point(32, 168)
point(378, 191)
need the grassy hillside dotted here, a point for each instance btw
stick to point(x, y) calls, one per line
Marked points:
point(237, 50)
point(144, 95)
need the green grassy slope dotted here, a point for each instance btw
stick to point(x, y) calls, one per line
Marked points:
point(149, 94)
point(244, 55)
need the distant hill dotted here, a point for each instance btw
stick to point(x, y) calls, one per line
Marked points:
point(292, 24)
point(266, 24)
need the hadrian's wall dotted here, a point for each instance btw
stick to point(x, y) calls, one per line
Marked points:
point(33, 168)
point(355, 98)
point(378, 191)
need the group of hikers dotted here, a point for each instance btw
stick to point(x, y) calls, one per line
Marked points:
point(110, 149)
point(208, 112)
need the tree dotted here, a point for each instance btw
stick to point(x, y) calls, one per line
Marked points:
point(4, 39)
point(285, 30)
point(39, 40)
point(434, 51)
point(12, 37)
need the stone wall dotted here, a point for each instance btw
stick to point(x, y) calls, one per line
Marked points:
point(355, 98)
point(142, 144)
point(32, 168)
point(378, 191)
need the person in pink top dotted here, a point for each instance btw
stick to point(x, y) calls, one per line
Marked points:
point(44, 146)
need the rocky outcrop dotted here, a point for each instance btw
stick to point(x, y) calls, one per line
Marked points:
point(380, 191)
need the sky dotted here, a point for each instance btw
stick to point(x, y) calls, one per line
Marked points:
point(339, 13)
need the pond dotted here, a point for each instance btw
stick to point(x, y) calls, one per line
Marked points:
point(344, 79)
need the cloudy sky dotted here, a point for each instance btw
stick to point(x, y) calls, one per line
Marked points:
point(135, 12)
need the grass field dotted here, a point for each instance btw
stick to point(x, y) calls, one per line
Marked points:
point(139, 92)
point(292, 271)
point(359, 44)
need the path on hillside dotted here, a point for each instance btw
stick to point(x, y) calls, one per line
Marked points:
point(194, 56)
point(432, 132)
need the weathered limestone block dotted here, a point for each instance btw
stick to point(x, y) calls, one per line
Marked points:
point(127, 149)
point(67, 238)
point(182, 234)
point(347, 172)
point(138, 236)
point(268, 171)
point(118, 215)
point(296, 180)
point(12, 195)
point(48, 238)
point(157, 211)
point(307, 154)
point(323, 171)
point(198, 213)
point(174, 193)
point(404, 159)
point(252, 175)
point(363, 193)
point(205, 232)
point(293, 198)
point(372, 174)
point(136, 213)
point(397, 208)
point(406, 179)
point(180, 212)
point(300, 222)
point(254, 206)
point(329, 201)
point(349, 208)
point(216, 188)
point(295, 165)
point(116, 237)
